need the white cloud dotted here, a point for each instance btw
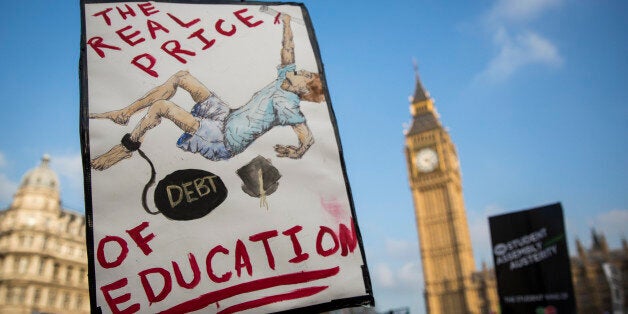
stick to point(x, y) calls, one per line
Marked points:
point(613, 218)
point(385, 276)
point(3, 161)
point(402, 249)
point(407, 277)
point(7, 188)
point(400, 272)
point(612, 223)
point(525, 49)
point(69, 168)
point(520, 11)
point(493, 209)
point(396, 287)
point(410, 274)
point(481, 234)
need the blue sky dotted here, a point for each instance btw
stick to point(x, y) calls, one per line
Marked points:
point(533, 93)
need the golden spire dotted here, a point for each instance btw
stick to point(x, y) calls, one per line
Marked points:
point(420, 94)
point(424, 114)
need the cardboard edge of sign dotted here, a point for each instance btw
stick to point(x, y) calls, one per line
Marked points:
point(364, 300)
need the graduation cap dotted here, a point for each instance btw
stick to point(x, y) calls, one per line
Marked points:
point(260, 178)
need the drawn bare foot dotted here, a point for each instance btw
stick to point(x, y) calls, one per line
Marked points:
point(117, 116)
point(110, 158)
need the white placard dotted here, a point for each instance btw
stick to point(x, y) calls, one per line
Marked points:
point(215, 175)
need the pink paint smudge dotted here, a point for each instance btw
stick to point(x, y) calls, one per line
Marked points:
point(333, 207)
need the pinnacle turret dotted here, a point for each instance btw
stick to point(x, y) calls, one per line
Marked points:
point(424, 114)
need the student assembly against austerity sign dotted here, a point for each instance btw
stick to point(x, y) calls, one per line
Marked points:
point(251, 208)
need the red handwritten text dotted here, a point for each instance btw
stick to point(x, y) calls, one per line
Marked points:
point(159, 282)
point(159, 24)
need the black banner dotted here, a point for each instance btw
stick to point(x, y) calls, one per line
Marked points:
point(532, 261)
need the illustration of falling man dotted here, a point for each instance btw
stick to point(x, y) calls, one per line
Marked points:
point(212, 128)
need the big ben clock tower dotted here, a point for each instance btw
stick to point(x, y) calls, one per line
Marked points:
point(436, 185)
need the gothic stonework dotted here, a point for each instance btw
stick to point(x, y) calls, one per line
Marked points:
point(43, 260)
point(593, 293)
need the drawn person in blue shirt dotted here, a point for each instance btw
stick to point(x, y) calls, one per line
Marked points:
point(212, 128)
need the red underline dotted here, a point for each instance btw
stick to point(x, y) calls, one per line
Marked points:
point(255, 285)
point(292, 295)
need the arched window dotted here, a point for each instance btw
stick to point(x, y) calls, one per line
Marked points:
point(20, 292)
point(55, 271)
point(66, 300)
point(82, 275)
point(42, 266)
point(79, 301)
point(52, 297)
point(68, 274)
point(9, 296)
point(37, 296)
point(22, 266)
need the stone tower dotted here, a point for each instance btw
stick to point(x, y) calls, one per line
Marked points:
point(436, 186)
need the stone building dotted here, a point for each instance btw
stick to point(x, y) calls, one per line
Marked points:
point(591, 287)
point(43, 259)
point(485, 287)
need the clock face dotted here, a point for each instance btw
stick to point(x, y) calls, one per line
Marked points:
point(426, 160)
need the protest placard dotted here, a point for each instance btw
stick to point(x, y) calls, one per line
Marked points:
point(532, 265)
point(215, 180)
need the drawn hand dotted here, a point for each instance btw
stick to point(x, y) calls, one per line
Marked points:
point(288, 151)
point(117, 116)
